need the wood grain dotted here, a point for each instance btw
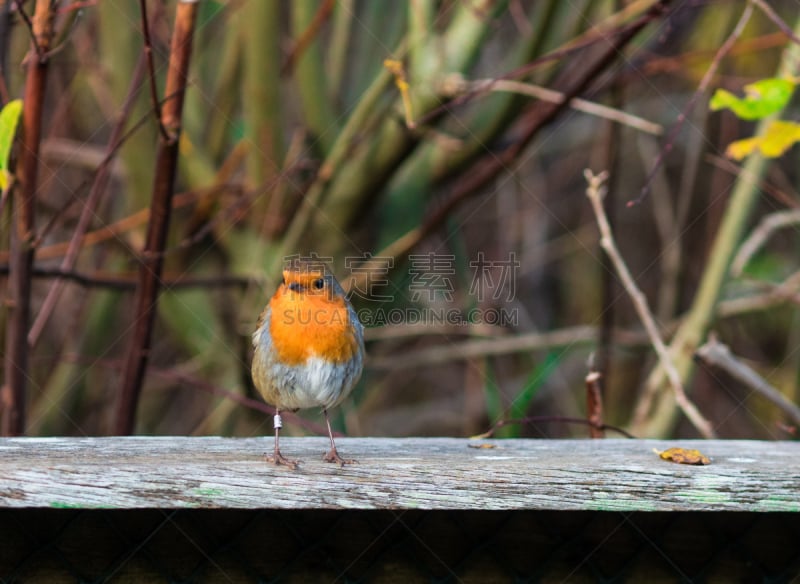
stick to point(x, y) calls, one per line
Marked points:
point(407, 473)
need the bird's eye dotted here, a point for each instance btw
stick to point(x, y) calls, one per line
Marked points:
point(319, 283)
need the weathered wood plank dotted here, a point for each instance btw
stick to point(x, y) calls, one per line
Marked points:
point(409, 473)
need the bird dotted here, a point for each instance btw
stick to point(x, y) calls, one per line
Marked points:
point(308, 348)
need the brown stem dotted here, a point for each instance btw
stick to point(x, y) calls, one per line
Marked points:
point(22, 236)
point(151, 261)
point(301, 44)
point(594, 405)
point(29, 24)
point(151, 69)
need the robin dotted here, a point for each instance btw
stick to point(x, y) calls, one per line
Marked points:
point(309, 348)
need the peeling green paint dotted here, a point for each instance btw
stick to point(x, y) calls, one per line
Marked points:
point(779, 503)
point(208, 492)
point(603, 501)
point(706, 497)
point(66, 505)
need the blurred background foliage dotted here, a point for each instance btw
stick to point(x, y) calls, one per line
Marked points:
point(295, 140)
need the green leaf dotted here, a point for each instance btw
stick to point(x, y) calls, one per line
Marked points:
point(9, 117)
point(761, 99)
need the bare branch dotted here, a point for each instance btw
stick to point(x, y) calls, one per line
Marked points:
point(127, 282)
point(773, 16)
point(576, 103)
point(148, 51)
point(766, 227)
point(90, 206)
point(544, 419)
point(29, 24)
point(718, 355)
point(595, 192)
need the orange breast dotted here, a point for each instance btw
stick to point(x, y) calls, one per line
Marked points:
point(302, 326)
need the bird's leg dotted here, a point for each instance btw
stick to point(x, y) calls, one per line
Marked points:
point(333, 455)
point(277, 458)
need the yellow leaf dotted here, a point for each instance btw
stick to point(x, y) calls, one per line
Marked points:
point(683, 456)
point(395, 67)
point(779, 137)
point(776, 140)
point(741, 148)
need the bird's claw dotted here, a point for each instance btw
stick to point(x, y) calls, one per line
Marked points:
point(279, 459)
point(333, 456)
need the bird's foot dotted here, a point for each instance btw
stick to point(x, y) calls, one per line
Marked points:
point(279, 459)
point(333, 456)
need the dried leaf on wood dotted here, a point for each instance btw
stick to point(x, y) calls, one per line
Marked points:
point(683, 456)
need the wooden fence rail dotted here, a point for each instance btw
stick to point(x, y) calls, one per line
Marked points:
point(408, 473)
point(176, 509)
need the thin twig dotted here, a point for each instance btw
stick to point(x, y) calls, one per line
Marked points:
point(151, 69)
point(701, 89)
point(309, 34)
point(88, 213)
point(127, 282)
point(763, 185)
point(758, 237)
point(59, 249)
point(786, 291)
point(602, 361)
point(779, 22)
point(595, 192)
point(576, 103)
point(544, 419)
point(718, 355)
point(117, 228)
point(78, 5)
point(29, 24)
